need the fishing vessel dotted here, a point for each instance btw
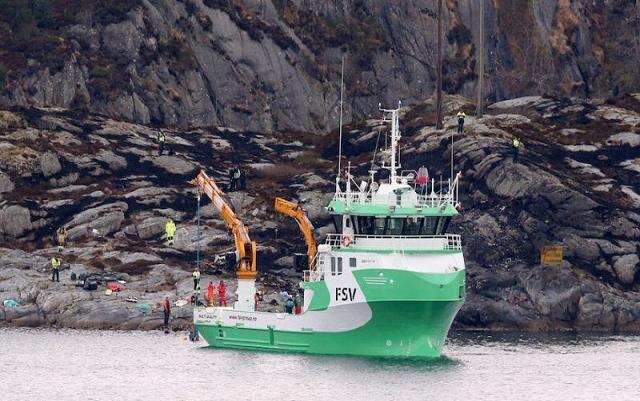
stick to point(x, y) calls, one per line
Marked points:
point(388, 282)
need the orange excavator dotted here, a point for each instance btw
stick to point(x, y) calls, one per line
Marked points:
point(245, 248)
point(295, 211)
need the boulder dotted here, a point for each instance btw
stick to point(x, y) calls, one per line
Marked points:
point(6, 185)
point(586, 249)
point(99, 221)
point(15, 221)
point(624, 138)
point(151, 227)
point(594, 313)
point(115, 162)
point(554, 291)
point(151, 195)
point(93, 213)
point(185, 239)
point(49, 164)
point(174, 165)
point(626, 267)
point(131, 257)
point(239, 200)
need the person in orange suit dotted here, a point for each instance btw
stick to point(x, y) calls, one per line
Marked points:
point(210, 294)
point(222, 294)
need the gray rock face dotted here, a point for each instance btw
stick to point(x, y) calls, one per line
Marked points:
point(511, 181)
point(122, 39)
point(99, 221)
point(6, 185)
point(278, 76)
point(314, 204)
point(114, 161)
point(626, 267)
point(174, 164)
point(15, 220)
point(49, 164)
point(555, 293)
point(593, 312)
point(583, 248)
point(151, 227)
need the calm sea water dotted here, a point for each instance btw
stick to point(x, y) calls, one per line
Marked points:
point(89, 365)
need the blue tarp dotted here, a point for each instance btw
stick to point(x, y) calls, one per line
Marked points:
point(10, 303)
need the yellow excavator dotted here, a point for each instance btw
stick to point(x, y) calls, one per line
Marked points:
point(295, 211)
point(245, 248)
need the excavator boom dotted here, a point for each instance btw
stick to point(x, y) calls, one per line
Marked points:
point(245, 248)
point(294, 210)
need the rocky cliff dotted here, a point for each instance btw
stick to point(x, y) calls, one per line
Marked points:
point(577, 184)
point(275, 64)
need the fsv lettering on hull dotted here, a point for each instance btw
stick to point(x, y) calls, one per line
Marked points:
point(345, 294)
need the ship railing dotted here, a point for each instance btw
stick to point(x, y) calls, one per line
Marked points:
point(352, 197)
point(424, 242)
point(433, 194)
point(313, 275)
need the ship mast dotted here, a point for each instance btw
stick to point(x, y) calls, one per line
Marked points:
point(393, 115)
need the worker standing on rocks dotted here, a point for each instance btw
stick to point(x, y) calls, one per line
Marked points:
point(196, 280)
point(161, 140)
point(170, 227)
point(243, 179)
point(62, 236)
point(222, 294)
point(232, 184)
point(461, 117)
point(55, 269)
point(516, 148)
point(166, 307)
point(236, 178)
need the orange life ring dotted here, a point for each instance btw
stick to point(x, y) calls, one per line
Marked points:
point(346, 240)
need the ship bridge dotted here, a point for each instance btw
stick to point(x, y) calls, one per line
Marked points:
point(397, 223)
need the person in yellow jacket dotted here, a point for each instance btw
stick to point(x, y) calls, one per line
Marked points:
point(461, 117)
point(516, 148)
point(196, 279)
point(170, 227)
point(55, 269)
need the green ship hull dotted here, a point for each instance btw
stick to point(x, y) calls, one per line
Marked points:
point(397, 319)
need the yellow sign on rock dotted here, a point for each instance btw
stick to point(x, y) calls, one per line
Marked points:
point(551, 255)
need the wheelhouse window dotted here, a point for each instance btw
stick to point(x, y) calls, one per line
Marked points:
point(337, 222)
point(339, 266)
point(365, 225)
point(443, 224)
point(412, 225)
point(380, 225)
point(352, 262)
point(394, 226)
point(429, 226)
point(368, 225)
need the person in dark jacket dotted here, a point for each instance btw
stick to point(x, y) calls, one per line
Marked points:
point(289, 305)
point(243, 179)
point(166, 307)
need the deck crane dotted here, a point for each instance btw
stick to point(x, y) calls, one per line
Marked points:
point(245, 248)
point(294, 210)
